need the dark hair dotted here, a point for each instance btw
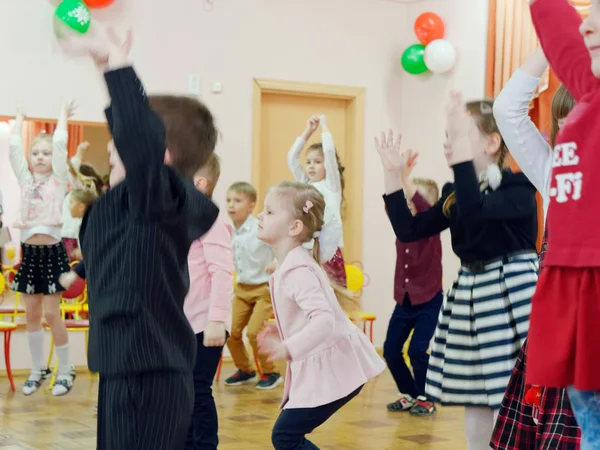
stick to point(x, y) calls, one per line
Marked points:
point(243, 187)
point(89, 171)
point(562, 103)
point(482, 112)
point(191, 132)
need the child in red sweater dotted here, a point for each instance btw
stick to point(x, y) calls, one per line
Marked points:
point(564, 334)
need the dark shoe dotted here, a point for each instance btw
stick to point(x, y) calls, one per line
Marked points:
point(240, 378)
point(423, 407)
point(269, 381)
point(404, 403)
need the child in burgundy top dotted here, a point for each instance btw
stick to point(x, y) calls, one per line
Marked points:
point(563, 346)
point(418, 293)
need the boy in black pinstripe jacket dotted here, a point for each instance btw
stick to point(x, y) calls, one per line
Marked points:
point(136, 239)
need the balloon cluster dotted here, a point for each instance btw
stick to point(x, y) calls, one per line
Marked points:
point(75, 14)
point(434, 53)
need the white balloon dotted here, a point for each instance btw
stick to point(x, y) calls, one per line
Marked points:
point(440, 56)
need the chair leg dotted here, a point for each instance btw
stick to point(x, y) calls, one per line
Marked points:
point(7, 336)
point(51, 354)
point(258, 368)
point(218, 375)
point(371, 322)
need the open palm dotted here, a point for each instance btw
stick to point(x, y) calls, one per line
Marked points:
point(390, 151)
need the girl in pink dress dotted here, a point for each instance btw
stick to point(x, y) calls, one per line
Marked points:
point(328, 358)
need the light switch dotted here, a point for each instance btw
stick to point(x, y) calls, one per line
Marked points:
point(217, 87)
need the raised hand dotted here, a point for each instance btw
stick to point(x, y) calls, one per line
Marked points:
point(407, 163)
point(117, 50)
point(70, 108)
point(82, 148)
point(457, 147)
point(20, 114)
point(323, 123)
point(390, 152)
point(311, 126)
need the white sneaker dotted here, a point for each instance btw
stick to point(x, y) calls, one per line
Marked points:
point(35, 380)
point(64, 382)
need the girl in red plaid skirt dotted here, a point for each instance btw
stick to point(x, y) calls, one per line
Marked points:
point(545, 421)
point(324, 171)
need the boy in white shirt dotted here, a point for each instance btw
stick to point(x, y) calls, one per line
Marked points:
point(252, 305)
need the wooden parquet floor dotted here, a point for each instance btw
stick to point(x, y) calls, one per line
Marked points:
point(246, 417)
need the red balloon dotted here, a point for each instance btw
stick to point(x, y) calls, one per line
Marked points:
point(98, 3)
point(429, 27)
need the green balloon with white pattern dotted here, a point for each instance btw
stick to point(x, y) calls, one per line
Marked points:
point(74, 14)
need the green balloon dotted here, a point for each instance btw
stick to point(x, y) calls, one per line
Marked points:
point(413, 59)
point(75, 14)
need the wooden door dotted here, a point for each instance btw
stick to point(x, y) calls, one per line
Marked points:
point(280, 117)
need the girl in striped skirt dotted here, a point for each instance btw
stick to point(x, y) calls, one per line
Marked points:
point(492, 216)
point(531, 417)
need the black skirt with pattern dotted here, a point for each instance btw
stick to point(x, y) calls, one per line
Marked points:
point(40, 268)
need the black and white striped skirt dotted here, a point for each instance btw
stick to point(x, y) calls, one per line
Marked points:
point(482, 325)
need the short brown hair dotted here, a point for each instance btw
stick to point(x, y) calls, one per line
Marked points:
point(84, 196)
point(211, 170)
point(245, 188)
point(191, 131)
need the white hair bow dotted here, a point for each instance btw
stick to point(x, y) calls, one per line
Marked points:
point(329, 239)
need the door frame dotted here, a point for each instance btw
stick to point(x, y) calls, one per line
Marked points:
point(355, 133)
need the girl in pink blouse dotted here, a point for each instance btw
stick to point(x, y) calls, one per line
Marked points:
point(328, 358)
point(42, 176)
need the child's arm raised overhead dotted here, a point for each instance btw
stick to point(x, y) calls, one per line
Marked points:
point(75, 163)
point(16, 153)
point(140, 138)
point(511, 111)
point(332, 170)
point(557, 25)
point(306, 290)
point(293, 157)
point(509, 201)
point(396, 172)
point(60, 139)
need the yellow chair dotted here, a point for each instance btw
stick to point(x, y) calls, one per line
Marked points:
point(356, 281)
point(15, 309)
point(7, 328)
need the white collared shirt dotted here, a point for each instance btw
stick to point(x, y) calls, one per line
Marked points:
point(251, 255)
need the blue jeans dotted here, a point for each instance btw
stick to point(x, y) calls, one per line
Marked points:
point(406, 318)
point(586, 406)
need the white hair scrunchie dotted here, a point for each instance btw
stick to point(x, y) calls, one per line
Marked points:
point(491, 177)
point(329, 239)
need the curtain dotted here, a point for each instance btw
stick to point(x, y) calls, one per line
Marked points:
point(511, 39)
point(33, 129)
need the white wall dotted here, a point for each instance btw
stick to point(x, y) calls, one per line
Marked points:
point(347, 42)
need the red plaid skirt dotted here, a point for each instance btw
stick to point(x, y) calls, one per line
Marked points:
point(336, 269)
point(557, 428)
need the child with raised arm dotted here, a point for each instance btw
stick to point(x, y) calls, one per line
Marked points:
point(208, 308)
point(135, 240)
point(325, 172)
point(532, 417)
point(492, 216)
point(328, 358)
point(567, 295)
point(43, 181)
point(418, 294)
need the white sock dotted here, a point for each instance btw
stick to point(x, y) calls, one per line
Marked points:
point(36, 348)
point(479, 426)
point(62, 353)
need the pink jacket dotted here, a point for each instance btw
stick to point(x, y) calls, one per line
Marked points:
point(210, 264)
point(41, 197)
point(330, 356)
